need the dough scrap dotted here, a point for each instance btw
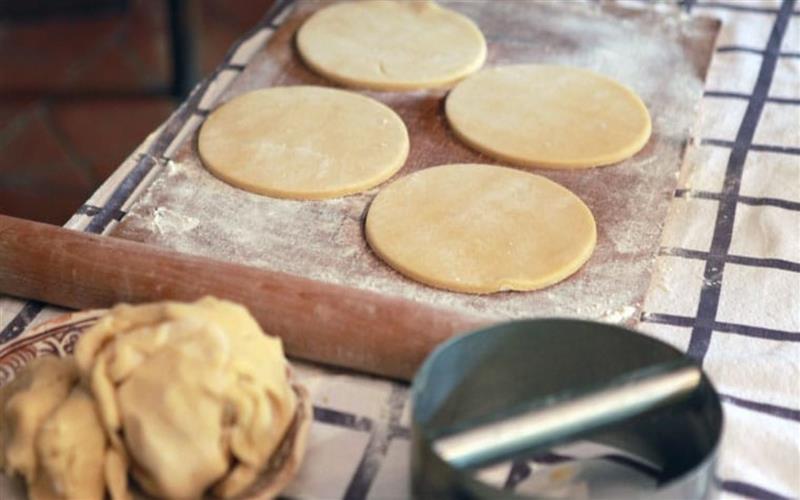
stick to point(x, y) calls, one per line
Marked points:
point(391, 45)
point(480, 228)
point(548, 116)
point(51, 434)
point(71, 447)
point(303, 142)
point(26, 404)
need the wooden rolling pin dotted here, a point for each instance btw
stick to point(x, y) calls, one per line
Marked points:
point(320, 322)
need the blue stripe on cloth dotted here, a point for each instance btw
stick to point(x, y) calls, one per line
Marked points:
point(770, 148)
point(342, 419)
point(770, 409)
point(722, 327)
point(719, 94)
point(750, 490)
point(785, 265)
point(375, 452)
point(723, 228)
point(23, 318)
point(747, 200)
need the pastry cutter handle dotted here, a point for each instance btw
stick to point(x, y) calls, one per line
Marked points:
point(528, 427)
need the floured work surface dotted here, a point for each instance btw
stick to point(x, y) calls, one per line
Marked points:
point(663, 57)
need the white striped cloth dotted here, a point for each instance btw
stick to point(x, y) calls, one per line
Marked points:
point(729, 269)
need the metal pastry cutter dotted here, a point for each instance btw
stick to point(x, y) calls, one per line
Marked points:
point(562, 409)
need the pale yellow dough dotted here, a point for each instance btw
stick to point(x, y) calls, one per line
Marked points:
point(194, 395)
point(480, 228)
point(191, 399)
point(391, 45)
point(50, 433)
point(303, 142)
point(548, 116)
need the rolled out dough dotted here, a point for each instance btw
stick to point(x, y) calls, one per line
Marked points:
point(548, 116)
point(391, 45)
point(303, 142)
point(480, 228)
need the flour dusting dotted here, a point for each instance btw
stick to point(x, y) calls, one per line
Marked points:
point(167, 221)
point(189, 210)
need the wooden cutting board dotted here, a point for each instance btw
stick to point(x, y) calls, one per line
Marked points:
point(664, 57)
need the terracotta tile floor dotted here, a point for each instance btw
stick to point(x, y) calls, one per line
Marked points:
point(78, 94)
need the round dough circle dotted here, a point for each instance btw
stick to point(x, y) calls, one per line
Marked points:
point(303, 142)
point(391, 45)
point(548, 116)
point(480, 228)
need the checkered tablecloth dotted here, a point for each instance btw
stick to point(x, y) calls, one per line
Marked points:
point(727, 287)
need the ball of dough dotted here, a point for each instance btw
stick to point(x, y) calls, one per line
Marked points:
point(480, 228)
point(391, 45)
point(548, 116)
point(303, 142)
point(195, 395)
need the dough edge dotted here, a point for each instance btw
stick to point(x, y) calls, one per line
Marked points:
point(444, 81)
point(504, 285)
point(318, 195)
point(575, 164)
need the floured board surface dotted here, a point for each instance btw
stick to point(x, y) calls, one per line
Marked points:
point(663, 57)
